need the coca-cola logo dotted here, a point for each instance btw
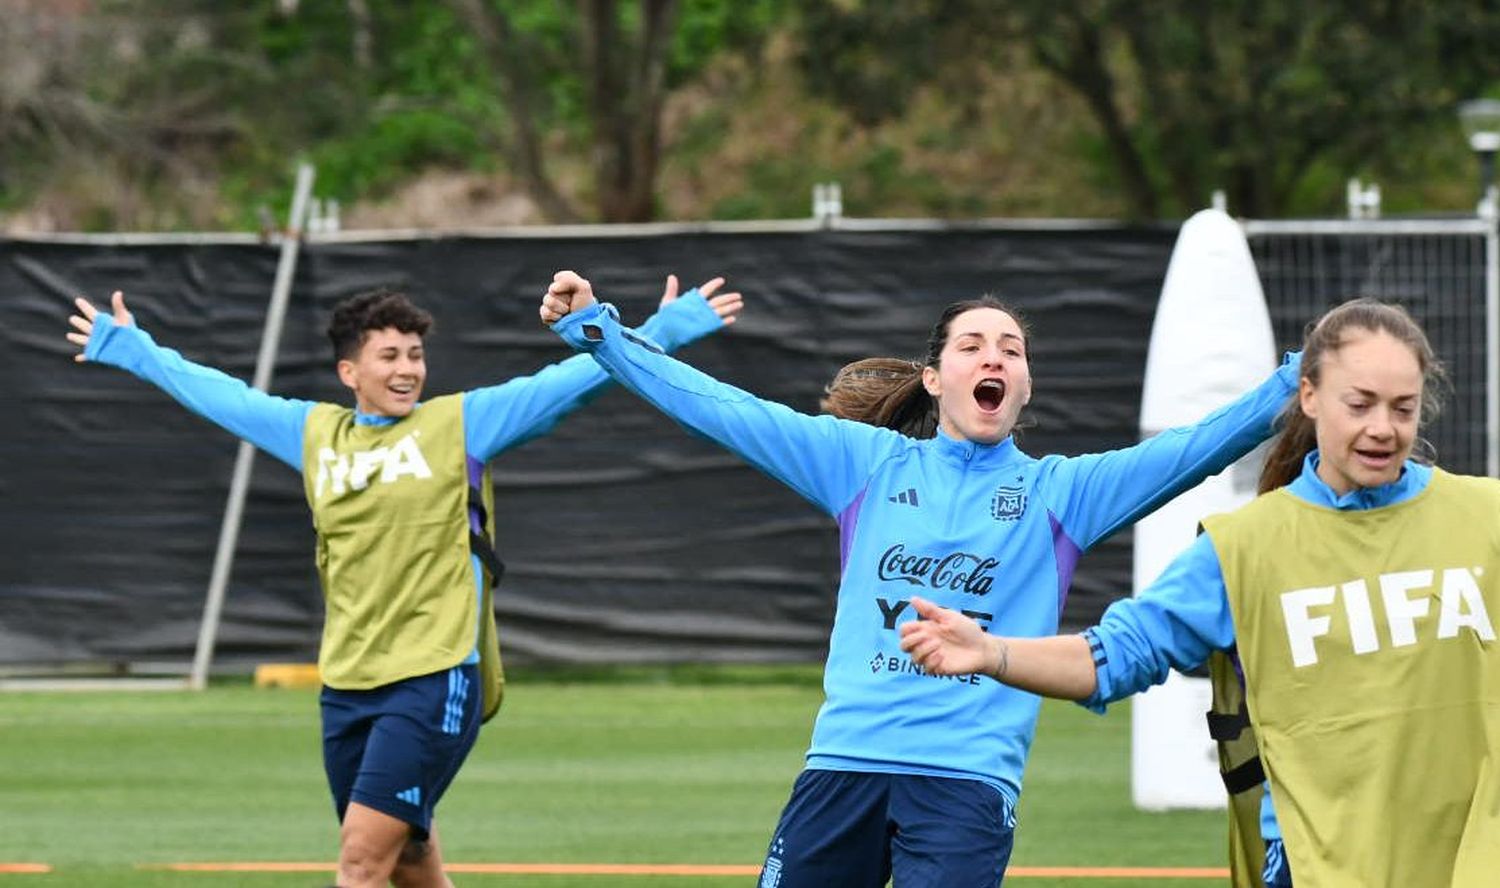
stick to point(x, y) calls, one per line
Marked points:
point(958, 571)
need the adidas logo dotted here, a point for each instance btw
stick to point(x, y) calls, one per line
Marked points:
point(411, 796)
point(907, 497)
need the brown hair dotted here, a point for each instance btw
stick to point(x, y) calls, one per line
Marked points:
point(888, 392)
point(1328, 334)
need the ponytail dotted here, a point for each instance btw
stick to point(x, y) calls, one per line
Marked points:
point(884, 392)
point(1298, 438)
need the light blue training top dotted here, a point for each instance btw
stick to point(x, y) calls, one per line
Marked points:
point(986, 529)
point(1177, 621)
point(496, 418)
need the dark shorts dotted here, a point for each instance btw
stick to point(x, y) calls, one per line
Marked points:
point(858, 830)
point(396, 748)
point(1277, 872)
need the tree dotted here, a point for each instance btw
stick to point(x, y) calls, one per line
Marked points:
point(102, 104)
point(1255, 96)
point(1258, 97)
point(45, 109)
point(602, 68)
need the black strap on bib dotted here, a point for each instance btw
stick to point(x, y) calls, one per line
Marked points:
point(1227, 726)
point(1248, 775)
point(479, 541)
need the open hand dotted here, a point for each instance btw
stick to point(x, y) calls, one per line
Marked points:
point(567, 293)
point(726, 305)
point(83, 322)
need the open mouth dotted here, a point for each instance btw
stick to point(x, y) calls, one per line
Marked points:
point(402, 389)
point(989, 393)
point(1378, 459)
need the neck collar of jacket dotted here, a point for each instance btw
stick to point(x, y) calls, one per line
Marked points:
point(965, 451)
point(376, 419)
point(1315, 490)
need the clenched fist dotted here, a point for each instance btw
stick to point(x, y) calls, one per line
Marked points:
point(567, 293)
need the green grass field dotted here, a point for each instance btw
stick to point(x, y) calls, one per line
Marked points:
point(685, 766)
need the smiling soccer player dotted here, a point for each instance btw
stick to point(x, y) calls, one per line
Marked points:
point(401, 500)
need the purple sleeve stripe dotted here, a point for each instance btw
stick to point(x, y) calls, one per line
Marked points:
point(476, 477)
point(1067, 554)
point(848, 521)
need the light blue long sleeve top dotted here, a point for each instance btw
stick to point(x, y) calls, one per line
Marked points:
point(987, 529)
point(496, 418)
point(1183, 617)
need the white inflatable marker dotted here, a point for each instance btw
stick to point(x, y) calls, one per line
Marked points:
point(1211, 341)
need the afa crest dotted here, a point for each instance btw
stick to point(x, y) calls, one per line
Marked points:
point(1008, 504)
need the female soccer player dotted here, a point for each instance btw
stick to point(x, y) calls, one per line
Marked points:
point(910, 775)
point(402, 504)
point(1358, 595)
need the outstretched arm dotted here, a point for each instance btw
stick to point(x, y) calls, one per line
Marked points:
point(1175, 623)
point(680, 320)
point(826, 460)
point(499, 417)
point(945, 642)
point(1103, 492)
point(270, 423)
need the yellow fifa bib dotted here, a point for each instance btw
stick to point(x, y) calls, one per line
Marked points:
point(390, 504)
point(1372, 676)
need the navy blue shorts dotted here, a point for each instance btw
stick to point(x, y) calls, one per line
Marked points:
point(396, 748)
point(859, 830)
point(1277, 872)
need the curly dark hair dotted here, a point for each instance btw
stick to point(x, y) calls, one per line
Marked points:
point(355, 317)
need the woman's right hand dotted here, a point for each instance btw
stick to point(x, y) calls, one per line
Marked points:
point(567, 293)
point(945, 642)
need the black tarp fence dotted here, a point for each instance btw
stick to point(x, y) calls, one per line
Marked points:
point(626, 539)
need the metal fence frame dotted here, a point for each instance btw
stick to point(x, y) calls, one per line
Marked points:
point(1471, 227)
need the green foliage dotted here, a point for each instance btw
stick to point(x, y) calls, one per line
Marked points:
point(600, 75)
point(431, 56)
point(1259, 98)
point(708, 29)
point(184, 113)
point(870, 57)
point(550, 39)
point(776, 187)
point(423, 102)
point(391, 147)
